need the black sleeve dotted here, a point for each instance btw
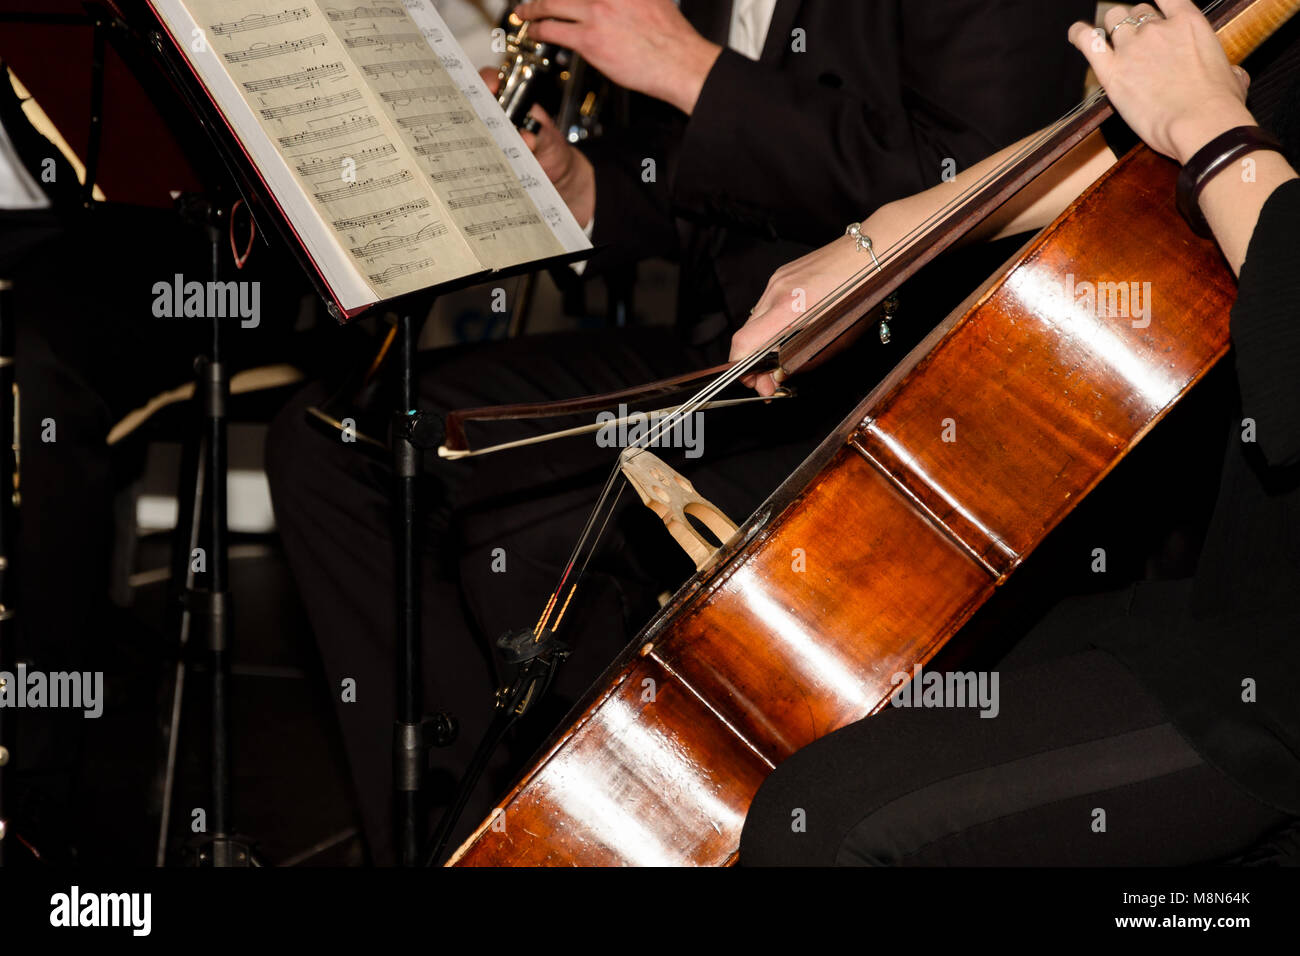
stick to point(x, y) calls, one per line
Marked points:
point(974, 76)
point(634, 216)
point(1265, 327)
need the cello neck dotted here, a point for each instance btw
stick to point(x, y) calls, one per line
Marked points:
point(1248, 23)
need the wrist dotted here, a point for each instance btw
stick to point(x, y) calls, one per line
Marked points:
point(691, 72)
point(577, 187)
point(1193, 132)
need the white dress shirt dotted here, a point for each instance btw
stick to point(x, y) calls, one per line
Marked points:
point(750, 21)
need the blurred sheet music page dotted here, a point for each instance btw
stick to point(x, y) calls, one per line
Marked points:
point(379, 141)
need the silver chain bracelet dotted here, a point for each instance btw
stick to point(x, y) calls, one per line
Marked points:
point(890, 305)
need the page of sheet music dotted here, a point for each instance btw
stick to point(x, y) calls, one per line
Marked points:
point(436, 121)
point(298, 77)
point(527, 171)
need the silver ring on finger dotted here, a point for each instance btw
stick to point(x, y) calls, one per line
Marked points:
point(1131, 21)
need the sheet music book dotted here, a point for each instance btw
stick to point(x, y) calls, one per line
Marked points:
point(385, 151)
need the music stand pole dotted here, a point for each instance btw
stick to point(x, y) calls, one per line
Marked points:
point(414, 732)
point(212, 390)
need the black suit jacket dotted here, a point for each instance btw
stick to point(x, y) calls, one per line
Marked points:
point(853, 104)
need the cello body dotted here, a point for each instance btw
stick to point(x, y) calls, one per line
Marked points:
point(879, 548)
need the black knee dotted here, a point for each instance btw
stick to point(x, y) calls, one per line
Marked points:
point(788, 822)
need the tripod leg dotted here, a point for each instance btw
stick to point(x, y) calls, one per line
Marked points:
point(185, 540)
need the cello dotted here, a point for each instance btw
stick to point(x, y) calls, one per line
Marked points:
point(901, 532)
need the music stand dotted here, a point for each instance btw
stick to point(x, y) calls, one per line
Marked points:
point(415, 733)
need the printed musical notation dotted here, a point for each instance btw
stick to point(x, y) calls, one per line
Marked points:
point(353, 124)
point(467, 172)
point(385, 244)
point(381, 215)
point(364, 13)
point(312, 74)
point(258, 51)
point(353, 190)
point(357, 159)
point(453, 146)
point(493, 226)
point(450, 117)
point(384, 39)
point(401, 66)
point(428, 94)
point(489, 197)
point(385, 137)
point(258, 21)
point(312, 105)
point(401, 269)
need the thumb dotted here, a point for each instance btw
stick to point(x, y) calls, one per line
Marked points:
point(1243, 78)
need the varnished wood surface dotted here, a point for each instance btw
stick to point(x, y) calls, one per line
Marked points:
point(936, 488)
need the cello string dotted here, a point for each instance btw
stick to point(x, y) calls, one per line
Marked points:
point(806, 319)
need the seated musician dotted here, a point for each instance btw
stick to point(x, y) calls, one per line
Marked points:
point(753, 132)
point(1160, 725)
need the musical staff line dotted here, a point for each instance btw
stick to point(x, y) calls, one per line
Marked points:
point(501, 193)
point(398, 66)
point(452, 145)
point(363, 13)
point(258, 21)
point(311, 105)
point(383, 39)
point(361, 188)
point(498, 225)
point(335, 163)
point(354, 125)
point(430, 93)
point(465, 172)
point(385, 244)
point(450, 117)
point(405, 268)
point(393, 212)
point(312, 73)
point(275, 49)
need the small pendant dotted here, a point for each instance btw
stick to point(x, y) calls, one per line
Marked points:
point(890, 309)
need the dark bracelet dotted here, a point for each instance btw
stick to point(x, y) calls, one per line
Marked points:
point(1209, 160)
